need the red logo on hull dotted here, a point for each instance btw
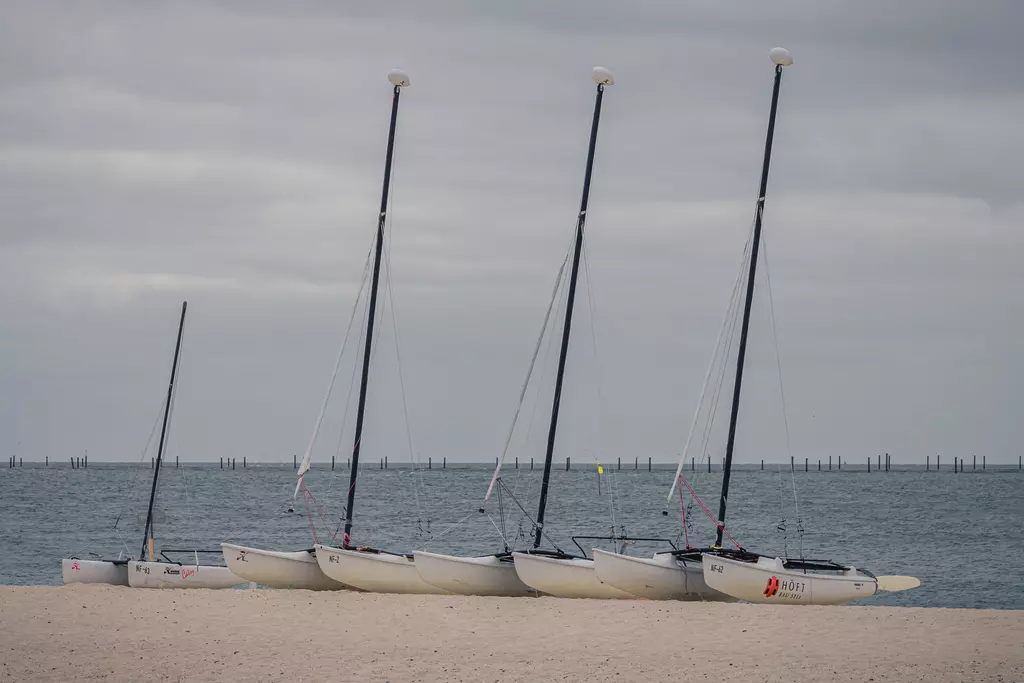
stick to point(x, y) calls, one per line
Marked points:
point(75, 567)
point(772, 587)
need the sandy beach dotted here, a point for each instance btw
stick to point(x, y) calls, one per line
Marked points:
point(118, 634)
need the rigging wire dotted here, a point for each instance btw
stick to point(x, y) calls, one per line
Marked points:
point(597, 381)
point(529, 374)
point(782, 394)
point(729, 317)
point(781, 528)
point(419, 488)
point(413, 458)
point(307, 457)
point(131, 482)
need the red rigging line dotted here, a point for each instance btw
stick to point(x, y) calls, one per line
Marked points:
point(682, 510)
point(320, 511)
point(720, 526)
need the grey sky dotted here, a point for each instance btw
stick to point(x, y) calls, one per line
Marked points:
point(231, 153)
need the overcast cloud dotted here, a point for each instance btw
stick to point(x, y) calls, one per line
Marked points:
point(230, 153)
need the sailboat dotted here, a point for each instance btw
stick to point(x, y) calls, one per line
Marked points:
point(166, 573)
point(301, 569)
point(739, 573)
point(364, 568)
point(536, 570)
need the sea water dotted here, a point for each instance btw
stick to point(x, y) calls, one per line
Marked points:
point(961, 534)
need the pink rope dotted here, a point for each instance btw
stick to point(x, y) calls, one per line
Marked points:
point(682, 509)
point(703, 507)
point(320, 511)
point(309, 515)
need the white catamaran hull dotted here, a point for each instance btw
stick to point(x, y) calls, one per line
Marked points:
point(662, 577)
point(373, 572)
point(94, 571)
point(169, 575)
point(564, 578)
point(487, 575)
point(278, 569)
point(766, 581)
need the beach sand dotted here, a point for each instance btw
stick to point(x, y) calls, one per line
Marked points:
point(119, 634)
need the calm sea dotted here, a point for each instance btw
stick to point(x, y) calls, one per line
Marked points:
point(961, 534)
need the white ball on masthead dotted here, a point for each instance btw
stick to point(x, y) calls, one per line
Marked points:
point(780, 56)
point(602, 76)
point(399, 78)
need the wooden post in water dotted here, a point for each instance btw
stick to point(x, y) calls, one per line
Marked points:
point(243, 462)
point(762, 464)
point(791, 468)
point(693, 464)
point(386, 462)
point(636, 463)
point(382, 463)
point(234, 461)
point(869, 464)
point(567, 464)
point(648, 463)
point(805, 465)
point(87, 460)
point(879, 462)
point(927, 462)
point(819, 464)
point(47, 461)
point(222, 462)
point(983, 458)
point(938, 462)
point(830, 463)
point(21, 462)
point(175, 461)
point(430, 464)
point(517, 462)
point(444, 463)
point(295, 464)
point(619, 466)
point(332, 463)
point(709, 464)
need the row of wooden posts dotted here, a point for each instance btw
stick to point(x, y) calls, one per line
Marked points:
point(959, 464)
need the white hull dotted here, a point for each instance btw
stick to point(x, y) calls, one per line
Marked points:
point(373, 572)
point(662, 577)
point(169, 575)
point(487, 575)
point(766, 581)
point(276, 569)
point(571, 578)
point(94, 571)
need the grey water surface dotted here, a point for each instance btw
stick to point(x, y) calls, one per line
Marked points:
point(961, 534)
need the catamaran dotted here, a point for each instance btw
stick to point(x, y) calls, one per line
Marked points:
point(324, 567)
point(737, 572)
point(153, 573)
point(536, 570)
point(361, 567)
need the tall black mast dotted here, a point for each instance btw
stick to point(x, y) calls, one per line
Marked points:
point(163, 432)
point(781, 58)
point(398, 80)
point(603, 77)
